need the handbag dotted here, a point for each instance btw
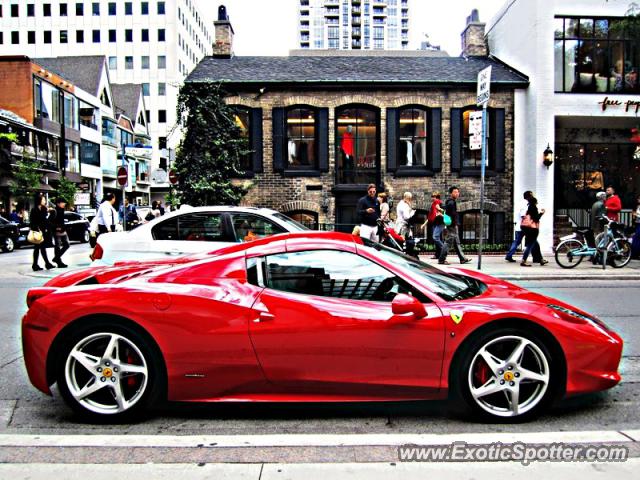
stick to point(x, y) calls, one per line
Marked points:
point(528, 222)
point(446, 219)
point(35, 237)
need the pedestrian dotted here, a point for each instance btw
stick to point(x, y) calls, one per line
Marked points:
point(536, 254)
point(155, 209)
point(128, 213)
point(531, 227)
point(598, 212)
point(39, 221)
point(106, 216)
point(613, 204)
point(60, 236)
point(451, 233)
point(368, 213)
point(436, 223)
point(404, 213)
point(635, 244)
point(385, 217)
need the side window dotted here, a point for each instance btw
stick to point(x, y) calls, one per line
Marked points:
point(251, 227)
point(201, 227)
point(330, 273)
point(167, 230)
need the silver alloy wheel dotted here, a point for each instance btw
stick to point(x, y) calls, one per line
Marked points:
point(86, 236)
point(512, 383)
point(106, 373)
point(9, 245)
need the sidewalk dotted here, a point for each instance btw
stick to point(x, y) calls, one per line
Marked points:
point(497, 266)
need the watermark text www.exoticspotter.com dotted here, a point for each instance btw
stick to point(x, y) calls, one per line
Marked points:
point(513, 452)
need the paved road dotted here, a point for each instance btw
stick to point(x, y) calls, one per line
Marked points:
point(24, 410)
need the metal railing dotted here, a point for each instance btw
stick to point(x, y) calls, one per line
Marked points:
point(580, 217)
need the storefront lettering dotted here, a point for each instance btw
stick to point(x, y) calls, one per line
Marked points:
point(629, 105)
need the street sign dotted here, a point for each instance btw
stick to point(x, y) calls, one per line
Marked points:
point(484, 87)
point(475, 130)
point(173, 176)
point(123, 176)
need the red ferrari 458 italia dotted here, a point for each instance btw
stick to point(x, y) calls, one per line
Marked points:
point(308, 317)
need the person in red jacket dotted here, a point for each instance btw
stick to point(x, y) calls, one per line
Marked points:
point(613, 204)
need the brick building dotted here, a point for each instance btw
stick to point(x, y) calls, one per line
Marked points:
point(322, 127)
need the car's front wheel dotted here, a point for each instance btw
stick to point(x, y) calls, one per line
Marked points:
point(109, 373)
point(507, 375)
point(85, 237)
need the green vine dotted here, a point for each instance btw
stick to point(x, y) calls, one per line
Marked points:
point(209, 154)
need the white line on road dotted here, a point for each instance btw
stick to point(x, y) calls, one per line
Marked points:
point(308, 440)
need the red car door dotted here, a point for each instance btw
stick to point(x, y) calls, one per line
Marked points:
point(323, 325)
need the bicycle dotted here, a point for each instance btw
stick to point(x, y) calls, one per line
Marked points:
point(611, 246)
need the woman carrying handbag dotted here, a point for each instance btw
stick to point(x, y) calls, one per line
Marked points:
point(530, 225)
point(39, 222)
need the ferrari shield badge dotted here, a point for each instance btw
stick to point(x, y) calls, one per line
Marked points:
point(456, 316)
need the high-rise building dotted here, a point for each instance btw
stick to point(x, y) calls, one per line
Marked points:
point(152, 43)
point(354, 24)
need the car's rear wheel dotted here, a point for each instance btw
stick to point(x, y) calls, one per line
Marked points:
point(85, 237)
point(8, 245)
point(109, 373)
point(507, 375)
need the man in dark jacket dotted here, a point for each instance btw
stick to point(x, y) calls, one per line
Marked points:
point(60, 232)
point(451, 232)
point(368, 212)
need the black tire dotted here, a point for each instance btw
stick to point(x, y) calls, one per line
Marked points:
point(563, 253)
point(143, 390)
point(8, 245)
point(619, 253)
point(85, 237)
point(534, 396)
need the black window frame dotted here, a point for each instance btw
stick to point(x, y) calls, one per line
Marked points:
point(161, 8)
point(162, 35)
point(144, 8)
point(79, 36)
point(46, 9)
point(95, 9)
point(144, 35)
point(15, 10)
point(64, 36)
point(63, 9)
point(616, 81)
point(31, 9)
point(378, 152)
point(496, 142)
point(15, 37)
point(31, 37)
point(311, 167)
point(47, 37)
point(112, 8)
point(79, 9)
point(128, 35)
point(113, 36)
point(95, 36)
point(128, 8)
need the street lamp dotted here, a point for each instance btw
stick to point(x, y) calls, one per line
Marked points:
point(547, 157)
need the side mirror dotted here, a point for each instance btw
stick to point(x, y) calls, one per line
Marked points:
point(407, 307)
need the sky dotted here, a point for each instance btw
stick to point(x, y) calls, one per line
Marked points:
point(269, 27)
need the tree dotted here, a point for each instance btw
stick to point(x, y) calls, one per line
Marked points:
point(26, 178)
point(67, 190)
point(208, 156)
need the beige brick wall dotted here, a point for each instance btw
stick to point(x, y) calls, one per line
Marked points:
point(274, 190)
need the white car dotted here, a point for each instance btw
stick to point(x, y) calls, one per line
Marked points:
point(191, 230)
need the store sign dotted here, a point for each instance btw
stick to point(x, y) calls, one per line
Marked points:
point(82, 199)
point(140, 152)
point(632, 106)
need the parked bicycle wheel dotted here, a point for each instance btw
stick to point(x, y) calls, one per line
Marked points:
point(565, 253)
point(619, 253)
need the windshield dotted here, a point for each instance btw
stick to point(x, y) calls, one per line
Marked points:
point(448, 286)
point(293, 225)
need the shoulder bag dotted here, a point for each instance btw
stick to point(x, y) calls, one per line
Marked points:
point(35, 237)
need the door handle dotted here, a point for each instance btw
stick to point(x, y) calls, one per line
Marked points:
point(264, 317)
point(173, 251)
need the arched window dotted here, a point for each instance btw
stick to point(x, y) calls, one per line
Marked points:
point(357, 144)
point(301, 138)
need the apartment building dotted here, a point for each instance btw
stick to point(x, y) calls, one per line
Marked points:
point(152, 43)
point(353, 24)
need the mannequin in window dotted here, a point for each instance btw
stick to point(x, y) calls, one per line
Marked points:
point(291, 146)
point(346, 145)
point(409, 153)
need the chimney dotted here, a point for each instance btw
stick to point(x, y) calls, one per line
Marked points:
point(473, 41)
point(223, 44)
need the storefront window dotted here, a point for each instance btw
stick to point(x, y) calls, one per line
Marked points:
point(412, 138)
point(357, 158)
point(584, 169)
point(595, 56)
point(471, 159)
point(301, 138)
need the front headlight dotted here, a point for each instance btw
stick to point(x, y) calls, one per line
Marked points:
point(572, 314)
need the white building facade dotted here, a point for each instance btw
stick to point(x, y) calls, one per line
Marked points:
point(583, 102)
point(152, 43)
point(353, 24)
